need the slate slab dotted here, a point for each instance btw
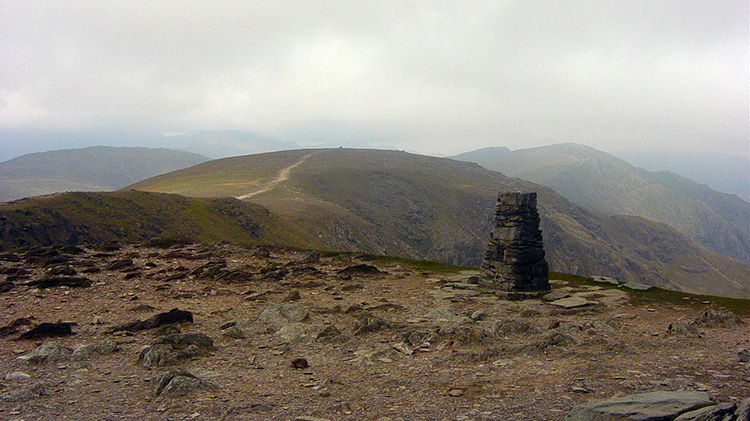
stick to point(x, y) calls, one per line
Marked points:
point(652, 406)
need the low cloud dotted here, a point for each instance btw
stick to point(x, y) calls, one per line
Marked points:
point(435, 77)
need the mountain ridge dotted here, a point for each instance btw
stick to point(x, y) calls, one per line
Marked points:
point(395, 203)
point(93, 168)
point(604, 183)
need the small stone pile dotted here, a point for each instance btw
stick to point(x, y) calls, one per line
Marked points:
point(514, 261)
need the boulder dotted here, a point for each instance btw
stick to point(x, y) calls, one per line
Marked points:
point(85, 352)
point(176, 383)
point(652, 406)
point(234, 332)
point(295, 332)
point(46, 353)
point(34, 391)
point(717, 318)
point(171, 349)
point(279, 315)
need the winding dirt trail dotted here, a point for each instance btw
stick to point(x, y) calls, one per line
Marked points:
point(282, 177)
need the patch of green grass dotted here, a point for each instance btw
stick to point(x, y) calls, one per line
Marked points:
point(662, 296)
point(167, 242)
point(657, 295)
point(416, 264)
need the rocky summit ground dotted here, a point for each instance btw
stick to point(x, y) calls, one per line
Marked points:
point(226, 332)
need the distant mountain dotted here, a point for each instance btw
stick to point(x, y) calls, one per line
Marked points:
point(211, 143)
point(603, 183)
point(722, 172)
point(97, 168)
point(395, 203)
point(224, 143)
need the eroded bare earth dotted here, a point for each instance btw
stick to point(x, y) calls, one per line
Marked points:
point(396, 344)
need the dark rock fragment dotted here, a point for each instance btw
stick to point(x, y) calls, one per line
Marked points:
point(6, 286)
point(66, 270)
point(57, 281)
point(329, 332)
point(108, 247)
point(143, 307)
point(273, 273)
point(370, 323)
point(71, 250)
point(13, 326)
point(361, 269)
point(710, 413)
point(300, 363)
point(228, 324)
point(10, 257)
point(48, 330)
point(175, 276)
point(120, 264)
point(293, 295)
point(172, 316)
point(261, 252)
point(44, 257)
point(14, 271)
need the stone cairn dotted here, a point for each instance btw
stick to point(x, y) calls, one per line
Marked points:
point(514, 262)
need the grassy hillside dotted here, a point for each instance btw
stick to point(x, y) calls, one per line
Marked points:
point(90, 218)
point(395, 203)
point(97, 168)
point(603, 183)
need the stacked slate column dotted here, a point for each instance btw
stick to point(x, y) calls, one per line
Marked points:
point(514, 261)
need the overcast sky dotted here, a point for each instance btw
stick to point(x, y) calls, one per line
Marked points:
point(436, 77)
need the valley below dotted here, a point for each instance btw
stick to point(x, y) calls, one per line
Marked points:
point(220, 331)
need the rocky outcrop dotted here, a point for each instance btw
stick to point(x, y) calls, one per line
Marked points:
point(514, 260)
